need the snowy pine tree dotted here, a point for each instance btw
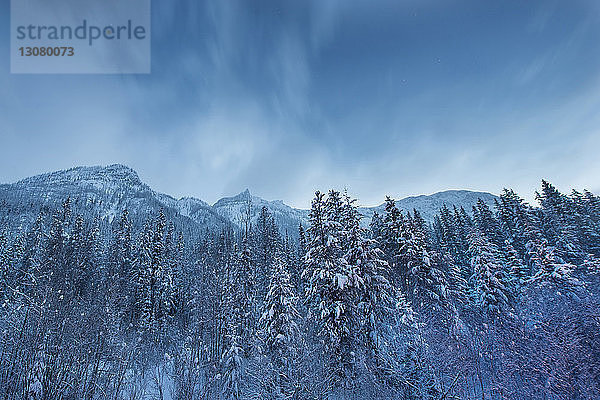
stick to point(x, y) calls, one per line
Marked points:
point(330, 283)
point(548, 267)
point(232, 370)
point(279, 326)
point(491, 285)
point(516, 268)
point(378, 303)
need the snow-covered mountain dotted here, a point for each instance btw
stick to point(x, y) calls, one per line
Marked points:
point(288, 218)
point(106, 191)
point(102, 191)
point(429, 205)
point(236, 208)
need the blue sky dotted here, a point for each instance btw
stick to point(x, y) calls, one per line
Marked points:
point(285, 97)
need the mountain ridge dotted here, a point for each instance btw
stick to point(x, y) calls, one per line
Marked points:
point(106, 190)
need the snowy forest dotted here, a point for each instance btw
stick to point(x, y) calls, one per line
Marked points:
point(498, 302)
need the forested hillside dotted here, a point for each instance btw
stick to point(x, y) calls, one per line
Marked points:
point(493, 302)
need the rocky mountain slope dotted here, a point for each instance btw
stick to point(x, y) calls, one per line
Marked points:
point(103, 192)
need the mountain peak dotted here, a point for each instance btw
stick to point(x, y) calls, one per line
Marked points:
point(118, 172)
point(429, 205)
point(238, 198)
point(111, 176)
point(243, 196)
point(120, 168)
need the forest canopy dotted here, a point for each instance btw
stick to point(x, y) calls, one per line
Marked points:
point(495, 302)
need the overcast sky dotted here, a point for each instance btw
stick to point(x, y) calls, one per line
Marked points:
point(285, 97)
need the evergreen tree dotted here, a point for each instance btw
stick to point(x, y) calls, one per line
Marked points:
point(120, 291)
point(587, 211)
point(390, 230)
point(330, 283)
point(487, 223)
point(378, 304)
point(516, 221)
point(232, 370)
point(491, 285)
point(153, 276)
point(425, 280)
point(559, 223)
point(268, 243)
point(301, 242)
point(54, 271)
point(549, 267)
point(29, 266)
point(279, 324)
point(458, 277)
point(516, 268)
point(247, 298)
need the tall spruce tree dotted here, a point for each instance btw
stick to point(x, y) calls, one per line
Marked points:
point(331, 284)
point(279, 325)
point(491, 284)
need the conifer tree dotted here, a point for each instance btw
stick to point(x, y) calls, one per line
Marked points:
point(377, 303)
point(487, 223)
point(516, 268)
point(120, 272)
point(558, 223)
point(330, 283)
point(458, 277)
point(232, 369)
point(587, 209)
point(279, 325)
point(279, 317)
point(425, 283)
point(268, 243)
point(491, 285)
point(247, 298)
point(549, 267)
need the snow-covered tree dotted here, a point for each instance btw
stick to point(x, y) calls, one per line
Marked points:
point(378, 303)
point(517, 269)
point(425, 281)
point(548, 267)
point(279, 317)
point(331, 284)
point(279, 325)
point(232, 370)
point(405, 240)
point(491, 284)
point(119, 285)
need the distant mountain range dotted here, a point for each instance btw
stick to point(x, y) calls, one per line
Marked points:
point(106, 191)
point(429, 205)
